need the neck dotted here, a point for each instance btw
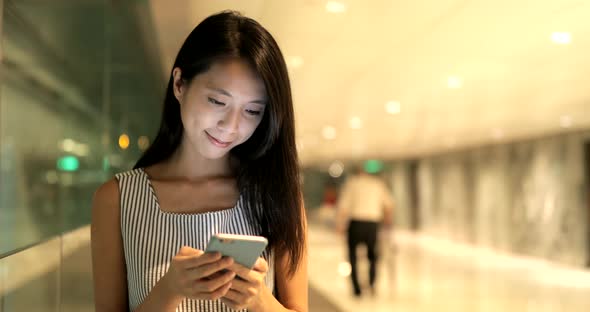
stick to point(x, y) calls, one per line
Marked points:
point(186, 163)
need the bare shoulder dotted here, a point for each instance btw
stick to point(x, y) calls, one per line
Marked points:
point(105, 208)
point(106, 200)
point(107, 194)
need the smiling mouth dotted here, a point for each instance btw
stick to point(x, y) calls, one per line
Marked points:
point(217, 142)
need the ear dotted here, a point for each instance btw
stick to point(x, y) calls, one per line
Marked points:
point(177, 83)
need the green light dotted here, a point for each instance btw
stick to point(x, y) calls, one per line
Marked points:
point(68, 163)
point(106, 164)
point(373, 166)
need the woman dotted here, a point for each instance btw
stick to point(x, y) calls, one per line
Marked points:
point(228, 114)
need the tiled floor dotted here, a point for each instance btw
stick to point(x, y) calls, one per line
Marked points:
point(430, 275)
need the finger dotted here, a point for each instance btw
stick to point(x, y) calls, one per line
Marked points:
point(236, 297)
point(232, 304)
point(211, 285)
point(241, 271)
point(242, 286)
point(182, 260)
point(208, 270)
point(219, 273)
point(189, 251)
point(261, 265)
point(189, 262)
point(214, 295)
point(245, 273)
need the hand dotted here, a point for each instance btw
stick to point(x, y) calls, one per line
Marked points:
point(247, 286)
point(387, 217)
point(198, 275)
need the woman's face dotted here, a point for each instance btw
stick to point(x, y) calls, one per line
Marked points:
point(220, 108)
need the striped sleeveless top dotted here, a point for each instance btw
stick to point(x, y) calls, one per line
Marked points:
point(152, 237)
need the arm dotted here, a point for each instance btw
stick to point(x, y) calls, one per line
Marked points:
point(108, 261)
point(388, 207)
point(292, 291)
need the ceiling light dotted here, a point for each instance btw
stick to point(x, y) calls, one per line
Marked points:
point(71, 146)
point(143, 142)
point(68, 145)
point(124, 141)
point(329, 133)
point(393, 107)
point(565, 121)
point(356, 123)
point(454, 82)
point(335, 7)
point(561, 37)
point(336, 169)
point(294, 62)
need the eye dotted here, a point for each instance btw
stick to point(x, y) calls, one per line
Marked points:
point(214, 101)
point(253, 112)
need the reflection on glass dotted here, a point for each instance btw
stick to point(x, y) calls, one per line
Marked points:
point(62, 102)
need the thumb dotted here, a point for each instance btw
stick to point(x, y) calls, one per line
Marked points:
point(189, 251)
point(261, 265)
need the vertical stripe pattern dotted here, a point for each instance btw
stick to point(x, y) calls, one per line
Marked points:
point(151, 237)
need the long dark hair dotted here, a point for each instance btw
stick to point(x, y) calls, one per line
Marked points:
point(268, 172)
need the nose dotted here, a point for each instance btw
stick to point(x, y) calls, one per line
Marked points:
point(230, 121)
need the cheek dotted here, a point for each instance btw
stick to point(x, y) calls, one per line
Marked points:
point(192, 117)
point(187, 120)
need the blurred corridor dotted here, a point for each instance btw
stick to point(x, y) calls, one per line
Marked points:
point(430, 274)
point(475, 114)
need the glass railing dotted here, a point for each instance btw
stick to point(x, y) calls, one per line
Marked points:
point(53, 275)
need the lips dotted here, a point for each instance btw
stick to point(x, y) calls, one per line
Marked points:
point(217, 142)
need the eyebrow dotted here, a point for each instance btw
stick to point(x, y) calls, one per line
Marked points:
point(224, 92)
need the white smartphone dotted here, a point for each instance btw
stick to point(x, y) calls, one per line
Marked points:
point(244, 249)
